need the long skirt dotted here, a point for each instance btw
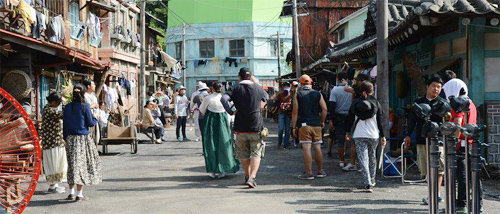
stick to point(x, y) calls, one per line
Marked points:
point(217, 144)
point(55, 164)
point(84, 164)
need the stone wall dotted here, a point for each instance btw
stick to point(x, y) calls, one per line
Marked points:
point(493, 114)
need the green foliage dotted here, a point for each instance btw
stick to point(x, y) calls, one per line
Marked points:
point(158, 10)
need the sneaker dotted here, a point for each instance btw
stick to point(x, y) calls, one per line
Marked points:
point(212, 175)
point(221, 175)
point(179, 139)
point(57, 190)
point(186, 139)
point(425, 200)
point(197, 139)
point(70, 197)
point(341, 164)
point(252, 182)
point(350, 167)
point(79, 199)
point(306, 176)
point(246, 180)
point(320, 174)
point(368, 189)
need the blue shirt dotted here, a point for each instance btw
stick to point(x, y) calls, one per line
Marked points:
point(77, 118)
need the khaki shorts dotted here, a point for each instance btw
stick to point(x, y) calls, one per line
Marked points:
point(310, 134)
point(249, 146)
point(422, 160)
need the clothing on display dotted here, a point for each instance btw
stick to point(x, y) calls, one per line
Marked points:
point(231, 61)
point(200, 62)
point(94, 25)
point(26, 12)
point(55, 29)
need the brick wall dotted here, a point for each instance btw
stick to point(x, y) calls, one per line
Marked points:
point(493, 114)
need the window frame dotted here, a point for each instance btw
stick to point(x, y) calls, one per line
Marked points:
point(206, 48)
point(273, 49)
point(341, 34)
point(235, 51)
point(178, 50)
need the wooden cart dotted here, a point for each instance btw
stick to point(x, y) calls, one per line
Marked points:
point(120, 135)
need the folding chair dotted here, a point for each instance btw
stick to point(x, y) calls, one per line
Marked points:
point(400, 165)
point(404, 166)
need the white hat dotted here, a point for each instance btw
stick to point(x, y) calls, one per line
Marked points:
point(198, 85)
point(202, 86)
point(181, 87)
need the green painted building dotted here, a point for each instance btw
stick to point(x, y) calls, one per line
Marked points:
point(223, 11)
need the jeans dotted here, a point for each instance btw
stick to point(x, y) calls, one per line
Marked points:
point(284, 126)
point(159, 131)
point(461, 191)
point(366, 149)
point(181, 122)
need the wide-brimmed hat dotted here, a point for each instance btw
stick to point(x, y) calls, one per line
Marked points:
point(181, 87)
point(202, 86)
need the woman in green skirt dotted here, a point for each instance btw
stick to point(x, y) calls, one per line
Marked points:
point(217, 144)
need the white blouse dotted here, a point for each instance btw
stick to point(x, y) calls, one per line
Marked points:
point(212, 103)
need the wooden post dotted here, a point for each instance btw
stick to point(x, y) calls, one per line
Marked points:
point(383, 62)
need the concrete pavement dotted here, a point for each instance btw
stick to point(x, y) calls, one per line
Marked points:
point(171, 178)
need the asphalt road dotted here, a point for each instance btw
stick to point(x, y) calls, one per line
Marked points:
point(171, 178)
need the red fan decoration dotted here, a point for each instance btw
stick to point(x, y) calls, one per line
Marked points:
point(20, 156)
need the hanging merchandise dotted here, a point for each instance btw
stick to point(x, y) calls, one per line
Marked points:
point(120, 101)
point(170, 61)
point(26, 12)
point(231, 61)
point(55, 29)
point(67, 88)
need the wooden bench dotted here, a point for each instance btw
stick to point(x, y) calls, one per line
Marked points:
point(120, 135)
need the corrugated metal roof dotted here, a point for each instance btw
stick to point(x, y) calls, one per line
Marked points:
point(403, 13)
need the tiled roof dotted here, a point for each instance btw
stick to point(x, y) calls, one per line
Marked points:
point(402, 16)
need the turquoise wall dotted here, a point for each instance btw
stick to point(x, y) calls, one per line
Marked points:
point(356, 26)
point(257, 36)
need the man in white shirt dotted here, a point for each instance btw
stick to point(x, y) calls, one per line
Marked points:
point(91, 99)
point(180, 113)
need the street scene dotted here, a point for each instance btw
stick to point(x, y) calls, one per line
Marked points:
point(247, 106)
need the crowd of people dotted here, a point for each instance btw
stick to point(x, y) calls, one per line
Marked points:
point(231, 127)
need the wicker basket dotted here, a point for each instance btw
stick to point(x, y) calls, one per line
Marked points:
point(17, 83)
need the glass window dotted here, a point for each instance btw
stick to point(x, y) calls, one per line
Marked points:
point(274, 48)
point(207, 49)
point(178, 50)
point(237, 47)
point(342, 34)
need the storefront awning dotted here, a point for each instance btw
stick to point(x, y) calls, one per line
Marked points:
point(440, 66)
point(55, 49)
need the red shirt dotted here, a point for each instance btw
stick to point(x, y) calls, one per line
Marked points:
point(471, 119)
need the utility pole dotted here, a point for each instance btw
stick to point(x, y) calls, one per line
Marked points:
point(142, 76)
point(382, 61)
point(296, 39)
point(184, 55)
point(278, 49)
